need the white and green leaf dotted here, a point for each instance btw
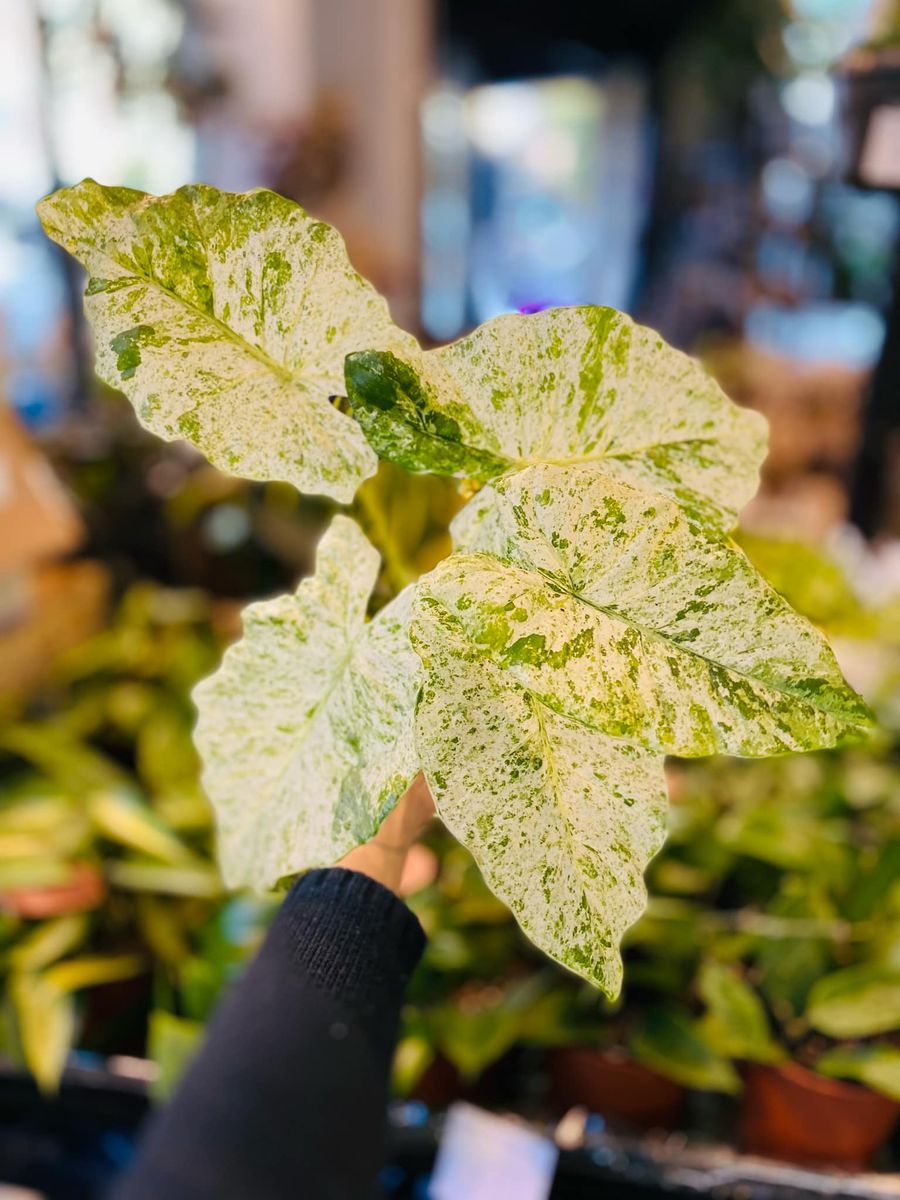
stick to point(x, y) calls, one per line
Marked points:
point(225, 318)
point(593, 630)
point(568, 385)
point(608, 606)
point(305, 730)
point(561, 820)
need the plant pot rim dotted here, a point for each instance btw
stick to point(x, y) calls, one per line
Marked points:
point(829, 1088)
point(613, 1056)
point(615, 1053)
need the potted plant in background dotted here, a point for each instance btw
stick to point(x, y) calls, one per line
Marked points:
point(802, 923)
point(813, 958)
point(811, 891)
point(488, 1018)
point(104, 833)
point(776, 885)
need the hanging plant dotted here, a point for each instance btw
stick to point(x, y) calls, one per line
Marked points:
point(594, 616)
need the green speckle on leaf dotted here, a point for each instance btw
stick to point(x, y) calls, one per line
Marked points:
point(127, 347)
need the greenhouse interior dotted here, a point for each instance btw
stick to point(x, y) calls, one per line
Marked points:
point(449, 599)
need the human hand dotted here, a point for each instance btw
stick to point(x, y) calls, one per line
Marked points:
point(385, 856)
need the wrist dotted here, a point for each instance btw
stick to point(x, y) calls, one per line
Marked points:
point(380, 862)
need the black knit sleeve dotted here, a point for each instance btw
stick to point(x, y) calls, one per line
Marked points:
point(287, 1097)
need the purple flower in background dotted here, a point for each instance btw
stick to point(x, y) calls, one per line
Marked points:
point(533, 306)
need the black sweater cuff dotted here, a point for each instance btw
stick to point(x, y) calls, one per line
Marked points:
point(350, 936)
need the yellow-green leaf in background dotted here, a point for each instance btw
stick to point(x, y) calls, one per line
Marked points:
point(48, 941)
point(162, 928)
point(185, 810)
point(811, 581)
point(45, 1023)
point(474, 1037)
point(21, 845)
point(33, 873)
point(91, 970)
point(36, 826)
point(875, 1065)
point(196, 879)
point(35, 814)
point(735, 1023)
point(669, 1042)
point(121, 817)
point(413, 1057)
point(172, 1042)
point(164, 753)
point(66, 759)
point(856, 1002)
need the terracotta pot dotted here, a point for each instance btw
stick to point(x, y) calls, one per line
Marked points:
point(612, 1084)
point(792, 1113)
point(441, 1084)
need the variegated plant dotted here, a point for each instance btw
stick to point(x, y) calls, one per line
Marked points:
point(594, 617)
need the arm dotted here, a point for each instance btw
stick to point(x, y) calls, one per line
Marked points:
point(288, 1095)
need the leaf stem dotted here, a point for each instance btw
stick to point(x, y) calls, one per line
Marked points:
point(372, 517)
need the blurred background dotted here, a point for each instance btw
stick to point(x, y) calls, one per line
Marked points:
point(725, 170)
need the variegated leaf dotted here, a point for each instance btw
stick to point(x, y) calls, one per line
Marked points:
point(595, 629)
point(567, 385)
point(561, 819)
point(607, 604)
point(225, 318)
point(306, 729)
